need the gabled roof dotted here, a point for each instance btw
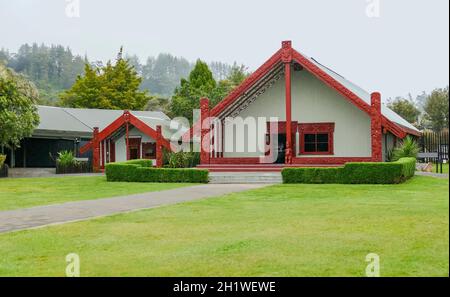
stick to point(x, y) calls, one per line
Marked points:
point(358, 96)
point(82, 121)
point(124, 119)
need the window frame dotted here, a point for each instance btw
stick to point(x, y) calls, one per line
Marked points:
point(316, 128)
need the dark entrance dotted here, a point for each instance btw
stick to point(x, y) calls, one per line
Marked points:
point(281, 149)
point(40, 152)
point(134, 147)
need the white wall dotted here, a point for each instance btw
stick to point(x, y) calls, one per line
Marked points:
point(312, 102)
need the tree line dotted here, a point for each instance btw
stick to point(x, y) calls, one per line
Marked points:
point(55, 68)
point(426, 111)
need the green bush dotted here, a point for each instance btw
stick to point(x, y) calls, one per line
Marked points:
point(67, 163)
point(311, 175)
point(140, 162)
point(133, 171)
point(2, 160)
point(66, 158)
point(181, 160)
point(354, 173)
point(408, 148)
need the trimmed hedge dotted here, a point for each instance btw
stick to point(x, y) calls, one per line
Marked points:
point(353, 173)
point(76, 167)
point(141, 171)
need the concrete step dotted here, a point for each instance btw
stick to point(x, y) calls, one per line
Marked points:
point(245, 177)
point(31, 172)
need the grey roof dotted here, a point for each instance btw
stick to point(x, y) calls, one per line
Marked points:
point(364, 95)
point(80, 121)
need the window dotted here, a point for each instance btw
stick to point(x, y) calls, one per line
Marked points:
point(316, 138)
point(149, 150)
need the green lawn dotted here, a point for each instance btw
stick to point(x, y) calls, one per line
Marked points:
point(283, 230)
point(28, 192)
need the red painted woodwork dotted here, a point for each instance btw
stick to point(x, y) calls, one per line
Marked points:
point(95, 151)
point(316, 128)
point(282, 127)
point(159, 147)
point(205, 132)
point(103, 150)
point(375, 127)
point(287, 58)
point(328, 160)
point(127, 139)
point(246, 160)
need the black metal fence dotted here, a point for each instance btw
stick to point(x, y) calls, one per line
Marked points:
point(434, 147)
point(432, 142)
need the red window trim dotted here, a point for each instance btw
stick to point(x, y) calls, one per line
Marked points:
point(316, 128)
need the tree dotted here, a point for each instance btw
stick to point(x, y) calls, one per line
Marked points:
point(187, 96)
point(405, 108)
point(18, 113)
point(436, 109)
point(52, 68)
point(201, 83)
point(108, 87)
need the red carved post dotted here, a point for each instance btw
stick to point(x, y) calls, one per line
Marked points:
point(126, 116)
point(376, 130)
point(103, 163)
point(286, 57)
point(159, 147)
point(95, 151)
point(205, 129)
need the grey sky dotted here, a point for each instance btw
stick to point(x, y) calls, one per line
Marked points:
point(405, 49)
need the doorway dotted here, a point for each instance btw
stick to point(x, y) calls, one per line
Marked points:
point(281, 148)
point(134, 148)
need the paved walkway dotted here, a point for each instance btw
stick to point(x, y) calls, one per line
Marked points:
point(432, 174)
point(12, 220)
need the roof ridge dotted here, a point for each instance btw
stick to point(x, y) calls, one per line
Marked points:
point(328, 68)
point(73, 116)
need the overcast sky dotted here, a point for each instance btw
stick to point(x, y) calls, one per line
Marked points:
point(402, 47)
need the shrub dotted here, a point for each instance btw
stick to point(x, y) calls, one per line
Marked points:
point(2, 160)
point(354, 173)
point(67, 163)
point(182, 160)
point(141, 171)
point(140, 162)
point(408, 148)
point(66, 158)
point(3, 166)
point(311, 175)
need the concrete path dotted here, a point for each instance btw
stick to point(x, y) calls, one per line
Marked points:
point(12, 220)
point(42, 172)
point(432, 174)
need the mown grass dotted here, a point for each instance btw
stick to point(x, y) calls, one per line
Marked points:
point(282, 230)
point(27, 192)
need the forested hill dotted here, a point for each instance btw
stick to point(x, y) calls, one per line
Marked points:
point(54, 69)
